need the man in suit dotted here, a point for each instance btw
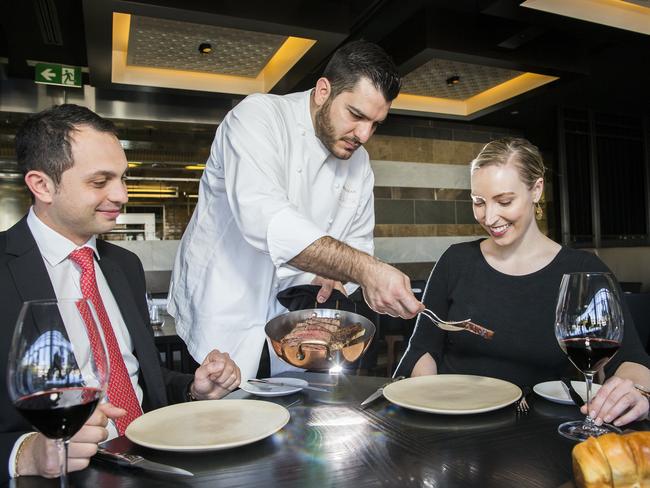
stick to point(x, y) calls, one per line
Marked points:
point(75, 168)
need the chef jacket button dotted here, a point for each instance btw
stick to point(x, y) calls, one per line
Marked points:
point(299, 170)
point(330, 221)
point(337, 186)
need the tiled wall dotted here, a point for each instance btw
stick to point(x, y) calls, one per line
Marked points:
point(176, 219)
point(422, 190)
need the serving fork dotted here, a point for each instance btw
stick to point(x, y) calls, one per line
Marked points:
point(444, 324)
point(455, 326)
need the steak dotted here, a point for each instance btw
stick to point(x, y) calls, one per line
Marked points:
point(326, 331)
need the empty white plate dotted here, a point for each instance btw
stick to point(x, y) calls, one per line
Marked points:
point(556, 392)
point(208, 425)
point(452, 394)
point(270, 390)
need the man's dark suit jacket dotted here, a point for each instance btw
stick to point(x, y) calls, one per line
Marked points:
point(23, 276)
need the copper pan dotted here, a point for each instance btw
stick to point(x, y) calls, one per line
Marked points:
point(318, 358)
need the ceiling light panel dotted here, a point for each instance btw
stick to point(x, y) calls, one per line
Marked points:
point(629, 15)
point(171, 44)
point(430, 79)
point(640, 3)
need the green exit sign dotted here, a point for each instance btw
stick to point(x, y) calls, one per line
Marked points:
point(57, 74)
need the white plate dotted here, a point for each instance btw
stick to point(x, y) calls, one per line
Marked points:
point(556, 392)
point(208, 425)
point(452, 394)
point(267, 390)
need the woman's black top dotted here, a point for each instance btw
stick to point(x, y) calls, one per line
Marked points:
point(519, 309)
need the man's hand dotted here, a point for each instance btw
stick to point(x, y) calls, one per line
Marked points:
point(217, 376)
point(326, 287)
point(41, 456)
point(388, 290)
point(617, 401)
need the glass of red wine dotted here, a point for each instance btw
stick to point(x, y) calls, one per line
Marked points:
point(589, 329)
point(56, 377)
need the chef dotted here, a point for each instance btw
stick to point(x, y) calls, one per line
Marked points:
point(286, 199)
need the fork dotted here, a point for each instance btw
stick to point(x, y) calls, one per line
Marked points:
point(522, 403)
point(466, 324)
point(444, 324)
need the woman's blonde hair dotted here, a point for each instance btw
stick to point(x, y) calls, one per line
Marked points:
point(519, 151)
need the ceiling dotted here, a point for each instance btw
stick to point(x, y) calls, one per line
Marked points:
point(527, 60)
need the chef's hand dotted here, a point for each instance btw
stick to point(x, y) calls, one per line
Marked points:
point(617, 401)
point(40, 456)
point(326, 287)
point(217, 376)
point(388, 290)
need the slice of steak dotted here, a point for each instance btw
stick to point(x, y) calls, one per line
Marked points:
point(346, 334)
point(478, 330)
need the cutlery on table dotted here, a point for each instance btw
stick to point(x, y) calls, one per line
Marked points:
point(522, 403)
point(289, 385)
point(577, 399)
point(134, 461)
point(378, 392)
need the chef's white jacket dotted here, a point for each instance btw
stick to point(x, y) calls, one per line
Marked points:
point(270, 189)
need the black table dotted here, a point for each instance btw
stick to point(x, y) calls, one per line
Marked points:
point(330, 442)
point(169, 343)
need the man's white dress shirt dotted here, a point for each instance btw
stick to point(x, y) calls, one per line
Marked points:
point(65, 277)
point(270, 189)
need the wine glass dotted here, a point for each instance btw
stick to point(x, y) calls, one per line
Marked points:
point(58, 369)
point(589, 329)
point(155, 318)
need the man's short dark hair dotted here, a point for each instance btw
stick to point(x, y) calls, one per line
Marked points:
point(362, 59)
point(43, 140)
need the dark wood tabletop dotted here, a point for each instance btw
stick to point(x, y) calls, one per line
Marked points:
point(331, 442)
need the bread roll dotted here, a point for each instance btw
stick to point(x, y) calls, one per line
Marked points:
point(639, 443)
point(613, 461)
point(590, 467)
point(621, 461)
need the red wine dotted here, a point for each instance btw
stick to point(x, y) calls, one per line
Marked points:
point(59, 414)
point(589, 354)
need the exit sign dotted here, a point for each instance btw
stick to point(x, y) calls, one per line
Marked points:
point(57, 74)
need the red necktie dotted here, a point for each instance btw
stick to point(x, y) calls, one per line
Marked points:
point(120, 388)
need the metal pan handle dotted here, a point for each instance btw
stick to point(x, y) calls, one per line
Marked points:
point(301, 354)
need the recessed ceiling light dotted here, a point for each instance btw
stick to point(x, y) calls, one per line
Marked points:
point(453, 80)
point(205, 48)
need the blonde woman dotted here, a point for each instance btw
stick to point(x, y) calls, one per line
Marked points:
point(509, 283)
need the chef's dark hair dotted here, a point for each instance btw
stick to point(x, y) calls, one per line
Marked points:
point(362, 59)
point(43, 140)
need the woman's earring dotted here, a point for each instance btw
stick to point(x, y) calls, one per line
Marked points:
point(539, 212)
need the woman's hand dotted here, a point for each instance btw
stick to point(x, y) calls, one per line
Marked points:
point(617, 402)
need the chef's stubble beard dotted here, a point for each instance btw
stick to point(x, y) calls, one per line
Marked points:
point(325, 130)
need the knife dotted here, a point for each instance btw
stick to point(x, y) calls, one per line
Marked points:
point(134, 461)
point(378, 393)
point(577, 399)
point(278, 383)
